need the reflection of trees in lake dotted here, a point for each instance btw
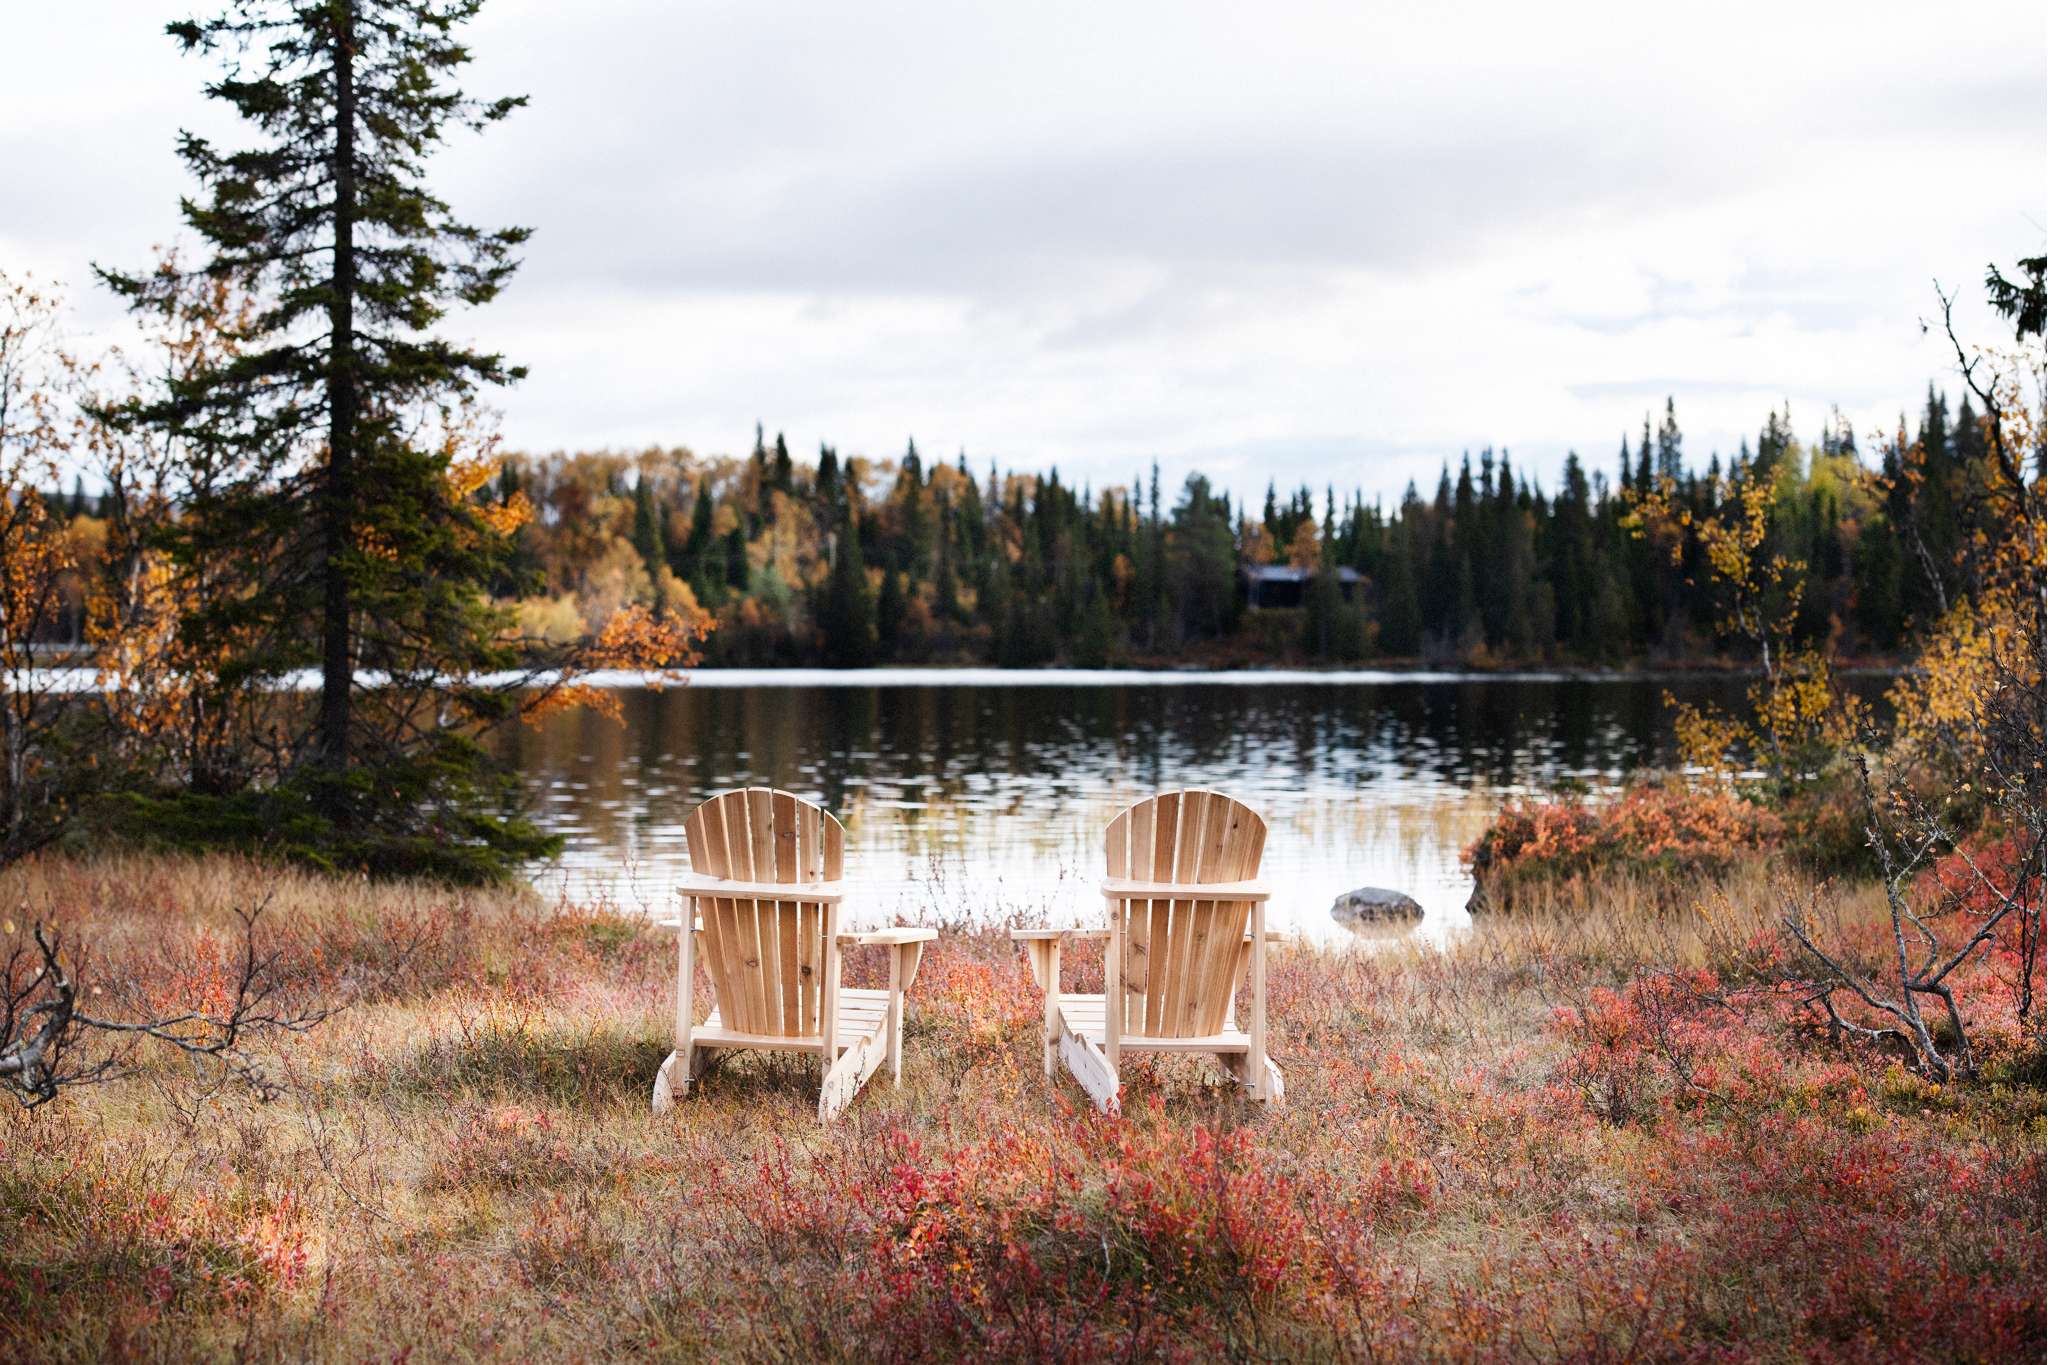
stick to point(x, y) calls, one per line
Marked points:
point(1007, 788)
point(1001, 750)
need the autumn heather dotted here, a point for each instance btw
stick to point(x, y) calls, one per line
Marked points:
point(1571, 1133)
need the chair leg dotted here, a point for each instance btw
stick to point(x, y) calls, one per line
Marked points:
point(845, 1076)
point(1045, 968)
point(1276, 1085)
point(1257, 1063)
point(1239, 1065)
point(678, 1072)
point(1092, 1069)
point(893, 1023)
point(672, 1081)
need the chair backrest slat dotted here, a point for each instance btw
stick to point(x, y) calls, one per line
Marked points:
point(1182, 960)
point(705, 833)
point(766, 958)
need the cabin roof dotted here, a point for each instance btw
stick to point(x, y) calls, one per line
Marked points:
point(1288, 573)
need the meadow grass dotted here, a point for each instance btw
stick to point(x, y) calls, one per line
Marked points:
point(1597, 1128)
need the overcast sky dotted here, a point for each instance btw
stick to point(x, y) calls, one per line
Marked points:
point(1323, 243)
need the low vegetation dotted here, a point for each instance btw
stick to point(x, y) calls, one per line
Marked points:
point(1661, 832)
point(1604, 1126)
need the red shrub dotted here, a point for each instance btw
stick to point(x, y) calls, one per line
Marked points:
point(1081, 1237)
point(1660, 829)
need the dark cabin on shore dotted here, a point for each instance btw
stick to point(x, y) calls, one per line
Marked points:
point(1283, 585)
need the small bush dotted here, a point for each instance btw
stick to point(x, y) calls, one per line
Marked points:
point(1669, 832)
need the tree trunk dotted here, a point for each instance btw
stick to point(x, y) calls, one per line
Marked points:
point(337, 670)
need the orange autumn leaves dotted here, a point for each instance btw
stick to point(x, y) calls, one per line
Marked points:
point(655, 642)
point(637, 639)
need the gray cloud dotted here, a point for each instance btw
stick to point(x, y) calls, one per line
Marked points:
point(1322, 242)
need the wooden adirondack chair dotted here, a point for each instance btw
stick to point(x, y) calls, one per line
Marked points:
point(763, 916)
point(1187, 926)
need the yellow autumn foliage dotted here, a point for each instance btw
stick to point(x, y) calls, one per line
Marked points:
point(1997, 629)
point(1801, 718)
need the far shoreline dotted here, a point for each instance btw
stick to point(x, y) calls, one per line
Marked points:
point(57, 679)
point(958, 675)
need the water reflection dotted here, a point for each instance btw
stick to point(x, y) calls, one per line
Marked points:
point(986, 800)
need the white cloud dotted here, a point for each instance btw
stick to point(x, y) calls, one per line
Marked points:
point(1332, 243)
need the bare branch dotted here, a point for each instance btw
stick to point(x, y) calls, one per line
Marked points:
point(48, 1044)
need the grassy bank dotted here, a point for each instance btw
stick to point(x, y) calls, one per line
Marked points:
point(1585, 1131)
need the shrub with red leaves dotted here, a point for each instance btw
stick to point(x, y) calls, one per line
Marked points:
point(1665, 832)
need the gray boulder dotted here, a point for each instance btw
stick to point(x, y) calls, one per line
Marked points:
point(1375, 905)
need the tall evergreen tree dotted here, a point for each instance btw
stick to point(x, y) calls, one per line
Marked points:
point(849, 612)
point(889, 615)
point(782, 474)
point(1772, 444)
point(647, 531)
point(1670, 451)
point(1333, 628)
point(362, 554)
point(702, 566)
point(1095, 634)
point(738, 572)
point(828, 474)
point(1400, 610)
point(1203, 563)
point(757, 480)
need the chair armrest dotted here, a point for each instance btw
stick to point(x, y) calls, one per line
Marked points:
point(894, 937)
point(1043, 947)
point(810, 893)
point(1122, 889)
point(1272, 936)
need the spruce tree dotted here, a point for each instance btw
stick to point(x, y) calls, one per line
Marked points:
point(647, 531)
point(1332, 628)
point(1772, 443)
point(1471, 632)
point(849, 613)
point(360, 554)
point(889, 616)
point(914, 550)
point(828, 475)
point(1400, 611)
point(1571, 554)
point(738, 572)
point(701, 565)
point(1670, 444)
point(2023, 300)
point(782, 474)
point(757, 481)
point(1094, 640)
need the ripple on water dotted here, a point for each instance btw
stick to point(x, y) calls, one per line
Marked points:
point(981, 796)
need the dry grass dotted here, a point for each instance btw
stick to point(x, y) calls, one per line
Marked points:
point(1584, 1131)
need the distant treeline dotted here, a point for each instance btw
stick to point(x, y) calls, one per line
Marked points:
point(853, 561)
point(856, 561)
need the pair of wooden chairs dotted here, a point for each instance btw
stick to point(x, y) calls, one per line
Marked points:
point(1185, 934)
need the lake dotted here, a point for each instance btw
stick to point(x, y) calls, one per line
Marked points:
point(982, 794)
